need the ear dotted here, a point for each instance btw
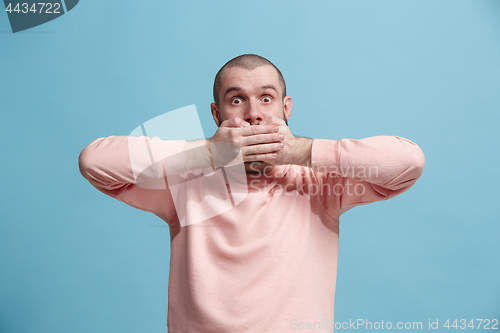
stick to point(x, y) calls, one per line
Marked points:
point(287, 107)
point(215, 113)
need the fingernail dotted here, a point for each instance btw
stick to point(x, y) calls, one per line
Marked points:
point(275, 129)
point(281, 145)
point(281, 136)
point(245, 124)
point(263, 122)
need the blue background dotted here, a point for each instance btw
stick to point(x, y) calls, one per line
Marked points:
point(75, 260)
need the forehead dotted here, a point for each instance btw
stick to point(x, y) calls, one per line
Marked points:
point(249, 79)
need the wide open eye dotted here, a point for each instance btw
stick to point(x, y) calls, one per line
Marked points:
point(236, 100)
point(266, 99)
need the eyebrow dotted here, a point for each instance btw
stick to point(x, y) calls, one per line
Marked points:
point(269, 86)
point(231, 89)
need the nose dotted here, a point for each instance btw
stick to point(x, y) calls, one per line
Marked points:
point(253, 114)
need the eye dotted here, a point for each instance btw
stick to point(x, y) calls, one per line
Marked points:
point(267, 99)
point(236, 100)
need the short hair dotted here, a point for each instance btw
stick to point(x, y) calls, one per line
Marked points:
point(248, 62)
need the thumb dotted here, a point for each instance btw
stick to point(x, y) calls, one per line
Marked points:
point(272, 120)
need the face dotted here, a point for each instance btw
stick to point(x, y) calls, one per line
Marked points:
point(251, 95)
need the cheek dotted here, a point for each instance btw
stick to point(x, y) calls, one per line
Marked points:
point(277, 110)
point(227, 113)
point(231, 111)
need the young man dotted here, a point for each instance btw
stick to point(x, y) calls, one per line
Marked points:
point(268, 263)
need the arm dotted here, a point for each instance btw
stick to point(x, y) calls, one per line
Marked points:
point(143, 172)
point(116, 166)
point(381, 167)
point(378, 167)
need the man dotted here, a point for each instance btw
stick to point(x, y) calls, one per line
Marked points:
point(269, 262)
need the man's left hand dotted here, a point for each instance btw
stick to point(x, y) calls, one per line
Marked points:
point(296, 150)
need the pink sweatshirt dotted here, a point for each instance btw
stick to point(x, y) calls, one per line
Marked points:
point(268, 264)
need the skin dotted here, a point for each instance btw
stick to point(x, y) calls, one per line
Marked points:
point(251, 114)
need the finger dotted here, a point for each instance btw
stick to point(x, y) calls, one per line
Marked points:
point(234, 122)
point(262, 149)
point(254, 130)
point(273, 120)
point(262, 138)
point(260, 157)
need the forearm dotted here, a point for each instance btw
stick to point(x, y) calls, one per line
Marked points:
point(389, 161)
point(198, 155)
point(301, 153)
point(114, 161)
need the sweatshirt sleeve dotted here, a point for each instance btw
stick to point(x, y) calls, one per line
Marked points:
point(367, 170)
point(132, 170)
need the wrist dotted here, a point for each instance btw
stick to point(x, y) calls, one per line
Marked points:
point(302, 151)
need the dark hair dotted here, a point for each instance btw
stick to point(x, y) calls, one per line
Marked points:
point(248, 62)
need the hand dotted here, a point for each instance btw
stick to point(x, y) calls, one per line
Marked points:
point(257, 143)
point(295, 150)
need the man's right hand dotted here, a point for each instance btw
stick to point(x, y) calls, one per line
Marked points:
point(257, 143)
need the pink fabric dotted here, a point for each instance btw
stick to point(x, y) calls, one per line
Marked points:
point(270, 263)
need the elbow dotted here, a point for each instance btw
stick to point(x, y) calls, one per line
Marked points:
point(87, 160)
point(84, 162)
point(415, 163)
point(415, 158)
point(419, 161)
